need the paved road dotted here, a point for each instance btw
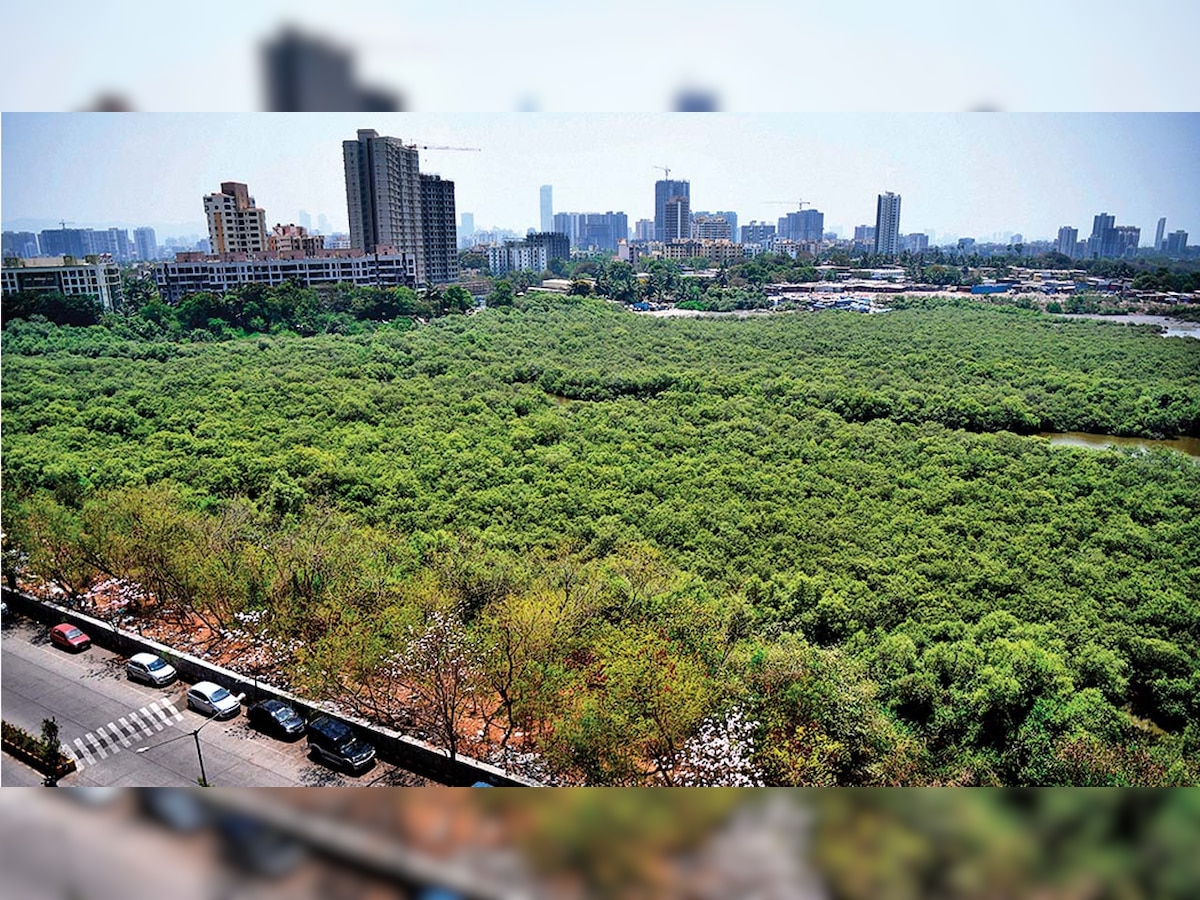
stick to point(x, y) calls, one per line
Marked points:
point(104, 719)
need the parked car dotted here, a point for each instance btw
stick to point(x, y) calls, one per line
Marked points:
point(213, 700)
point(277, 718)
point(337, 744)
point(180, 809)
point(257, 847)
point(69, 636)
point(150, 669)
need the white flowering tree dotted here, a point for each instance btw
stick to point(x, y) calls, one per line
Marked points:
point(441, 668)
point(720, 754)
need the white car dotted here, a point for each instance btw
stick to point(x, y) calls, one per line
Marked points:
point(213, 700)
point(150, 669)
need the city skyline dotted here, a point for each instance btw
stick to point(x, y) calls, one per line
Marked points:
point(966, 174)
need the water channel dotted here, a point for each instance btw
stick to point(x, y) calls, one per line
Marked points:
point(1188, 445)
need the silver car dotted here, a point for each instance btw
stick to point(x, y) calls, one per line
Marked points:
point(213, 700)
point(150, 669)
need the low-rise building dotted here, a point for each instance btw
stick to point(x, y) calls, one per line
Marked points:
point(94, 276)
point(193, 272)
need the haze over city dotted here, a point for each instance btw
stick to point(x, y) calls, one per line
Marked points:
point(974, 175)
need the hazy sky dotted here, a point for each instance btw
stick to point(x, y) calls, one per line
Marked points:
point(969, 174)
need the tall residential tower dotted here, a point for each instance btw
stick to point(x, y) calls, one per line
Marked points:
point(235, 224)
point(887, 224)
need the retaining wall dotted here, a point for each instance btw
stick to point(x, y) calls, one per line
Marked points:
point(390, 746)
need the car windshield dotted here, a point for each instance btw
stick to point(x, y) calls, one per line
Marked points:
point(73, 632)
point(282, 714)
point(220, 694)
point(155, 664)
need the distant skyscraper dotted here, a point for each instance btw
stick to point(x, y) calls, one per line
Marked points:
point(805, 225)
point(1176, 242)
point(547, 198)
point(601, 231)
point(145, 244)
point(757, 232)
point(235, 224)
point(887, 224)
point(77, 242)
point(305, 220)
point(23, 244)
point(1158, 235)
point(707, 227)
point(864, 234)
point(664, 191)
point(1100, 244)
point(467, 228)
point(677, 219)
point(732, 218)
point(643, 230)
point(323, 223)
point(1068, 237)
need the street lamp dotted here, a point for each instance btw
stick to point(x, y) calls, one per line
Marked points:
point(195, 735)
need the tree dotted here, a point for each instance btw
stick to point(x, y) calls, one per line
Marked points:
point(501, 294)
point(440, 665)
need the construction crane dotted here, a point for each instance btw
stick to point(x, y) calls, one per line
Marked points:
point(437, 147)
point(800, 204)
point(666, 172)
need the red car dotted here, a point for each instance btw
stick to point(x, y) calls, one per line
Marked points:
point(70, 637)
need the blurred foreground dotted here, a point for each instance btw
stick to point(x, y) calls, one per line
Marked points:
point(372, 55)
point(449, 843)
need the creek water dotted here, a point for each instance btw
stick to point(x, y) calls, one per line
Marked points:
point(1188, 445)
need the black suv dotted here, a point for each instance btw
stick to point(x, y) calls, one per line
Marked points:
point(338, 744)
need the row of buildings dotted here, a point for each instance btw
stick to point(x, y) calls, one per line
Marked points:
point(82, 242)
point(1112, 241)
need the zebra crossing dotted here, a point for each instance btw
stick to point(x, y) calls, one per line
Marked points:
point(129, 729)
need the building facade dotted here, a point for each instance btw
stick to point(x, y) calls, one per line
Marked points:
point(1068, 237)
point(666, 190)
point(294, 239)
point(235, 224)
point(145, 244)
point(677, 219)
point(1176, 242)
point(100, 280)
point(887, 224)
point(21, 245)
point(439, 229)
point(532, 254)
point(644, 230)
point(757, 232)
point(707, 227)
point(192, 272)
point(804, 225)
point(1158, 234)
point(546, 198)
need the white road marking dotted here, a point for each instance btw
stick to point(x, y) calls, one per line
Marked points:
point(140, 724)
point(91, 739)
point(160, 713)
point(171, 706)
point(120, 732)
point(86, 753)
point(153, 720)
point(108, 740)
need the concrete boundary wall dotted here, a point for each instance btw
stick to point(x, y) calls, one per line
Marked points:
point(390, 746)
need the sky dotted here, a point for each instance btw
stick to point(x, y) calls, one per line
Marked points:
point(965, 174)
point(622, 55)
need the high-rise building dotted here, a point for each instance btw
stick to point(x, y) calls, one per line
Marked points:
point(76, 242)
point(1125, 240)
point(467, 228)
point(1100, 244)
point(1158, 234)
point(732, 218)
point(1068, 237)
point(547, 208)
point(757, 232)
point(383, 193)
point(707, 227)
point(437, 226)
point(21, 245)
point(676, 219)
point(805, 225)
point(235, 224)
point(864, 235)
point(145, 244)
point(887, 224)
point(643, 230)
point(596, 231)
point(666, 190)
point(917, 242)
point(1176, 242)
